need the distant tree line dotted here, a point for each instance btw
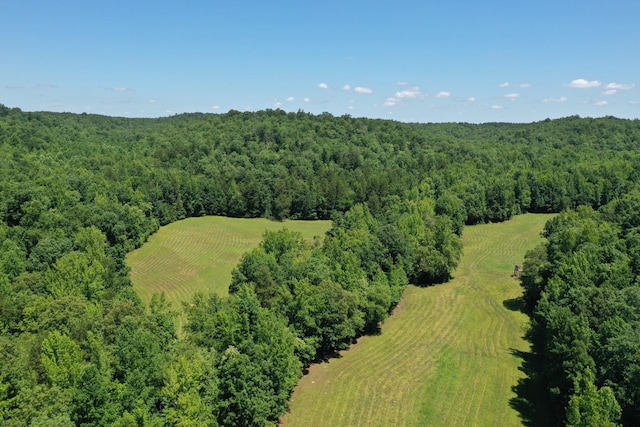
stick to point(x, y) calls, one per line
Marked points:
point(77, 192)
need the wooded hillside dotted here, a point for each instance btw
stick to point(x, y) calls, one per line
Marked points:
point(77, 192)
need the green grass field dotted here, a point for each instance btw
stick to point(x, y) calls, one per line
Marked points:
point(198, 254)
point(444, 358)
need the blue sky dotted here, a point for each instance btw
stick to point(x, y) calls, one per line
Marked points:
point(418, 61)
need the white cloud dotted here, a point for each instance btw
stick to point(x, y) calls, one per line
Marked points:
point(507, 84)
point(497, 107)
point(634, 102)
point(306, 99)
point(346, 87)
point(277, 104)
point(471, 99)
point(120, 89)
point(290, 99)
point(552, 99)
point(359, 89)
point(443, 94)
point(599, 102)
point(584, 84)
point(619, 86)
point(215, 107)
point(414, 92)
point(613, 88)
point(512, 96)
point(323, 86)
point(152, 101)
point(403, 83)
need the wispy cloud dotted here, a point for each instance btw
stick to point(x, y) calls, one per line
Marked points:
point(215, 107)
point(583, 84)
point(121, 89)
point(619, 86)
point(552, 99)
point(359, 89)
point(406, 94)
point(323, 86)
point(290, 99)
point(613, 88)
point(497, 107)
point(512, 96)
point(471, 99)
point(443, 94)
point(414, 92)
point(508, 84)
point(599, 102)
point(306, 99)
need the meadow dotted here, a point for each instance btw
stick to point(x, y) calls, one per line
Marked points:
point(199, 254)
point(447, 357)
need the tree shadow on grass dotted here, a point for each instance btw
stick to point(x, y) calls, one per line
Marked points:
point(514, 304)
point(531, 393)
point(531, 399)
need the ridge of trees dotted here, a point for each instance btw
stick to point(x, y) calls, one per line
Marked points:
point(77, 192)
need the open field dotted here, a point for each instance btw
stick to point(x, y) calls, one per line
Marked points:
point(198, 254)
point(445, 358)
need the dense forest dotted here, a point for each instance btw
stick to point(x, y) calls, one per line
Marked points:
point(77, 192)
point(583, 287)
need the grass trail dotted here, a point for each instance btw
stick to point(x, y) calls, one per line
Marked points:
point(444, 358)
point(198, 254)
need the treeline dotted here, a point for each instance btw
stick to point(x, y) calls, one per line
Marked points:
point(583, 288)
point(77, 192)
point(296, 165)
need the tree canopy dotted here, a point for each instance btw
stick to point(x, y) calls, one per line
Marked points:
point(77, 192)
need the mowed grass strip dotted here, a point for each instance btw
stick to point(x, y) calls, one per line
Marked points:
point(445, 357)
point(198, 254)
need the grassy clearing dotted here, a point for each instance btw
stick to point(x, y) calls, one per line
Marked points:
point(444, 358)
point(198, 254)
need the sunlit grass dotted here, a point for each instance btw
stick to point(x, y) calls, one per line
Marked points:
point(445, 358)
point(198, 254)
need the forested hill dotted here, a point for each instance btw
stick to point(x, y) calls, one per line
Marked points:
point(77, 192)
point(297, 165)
